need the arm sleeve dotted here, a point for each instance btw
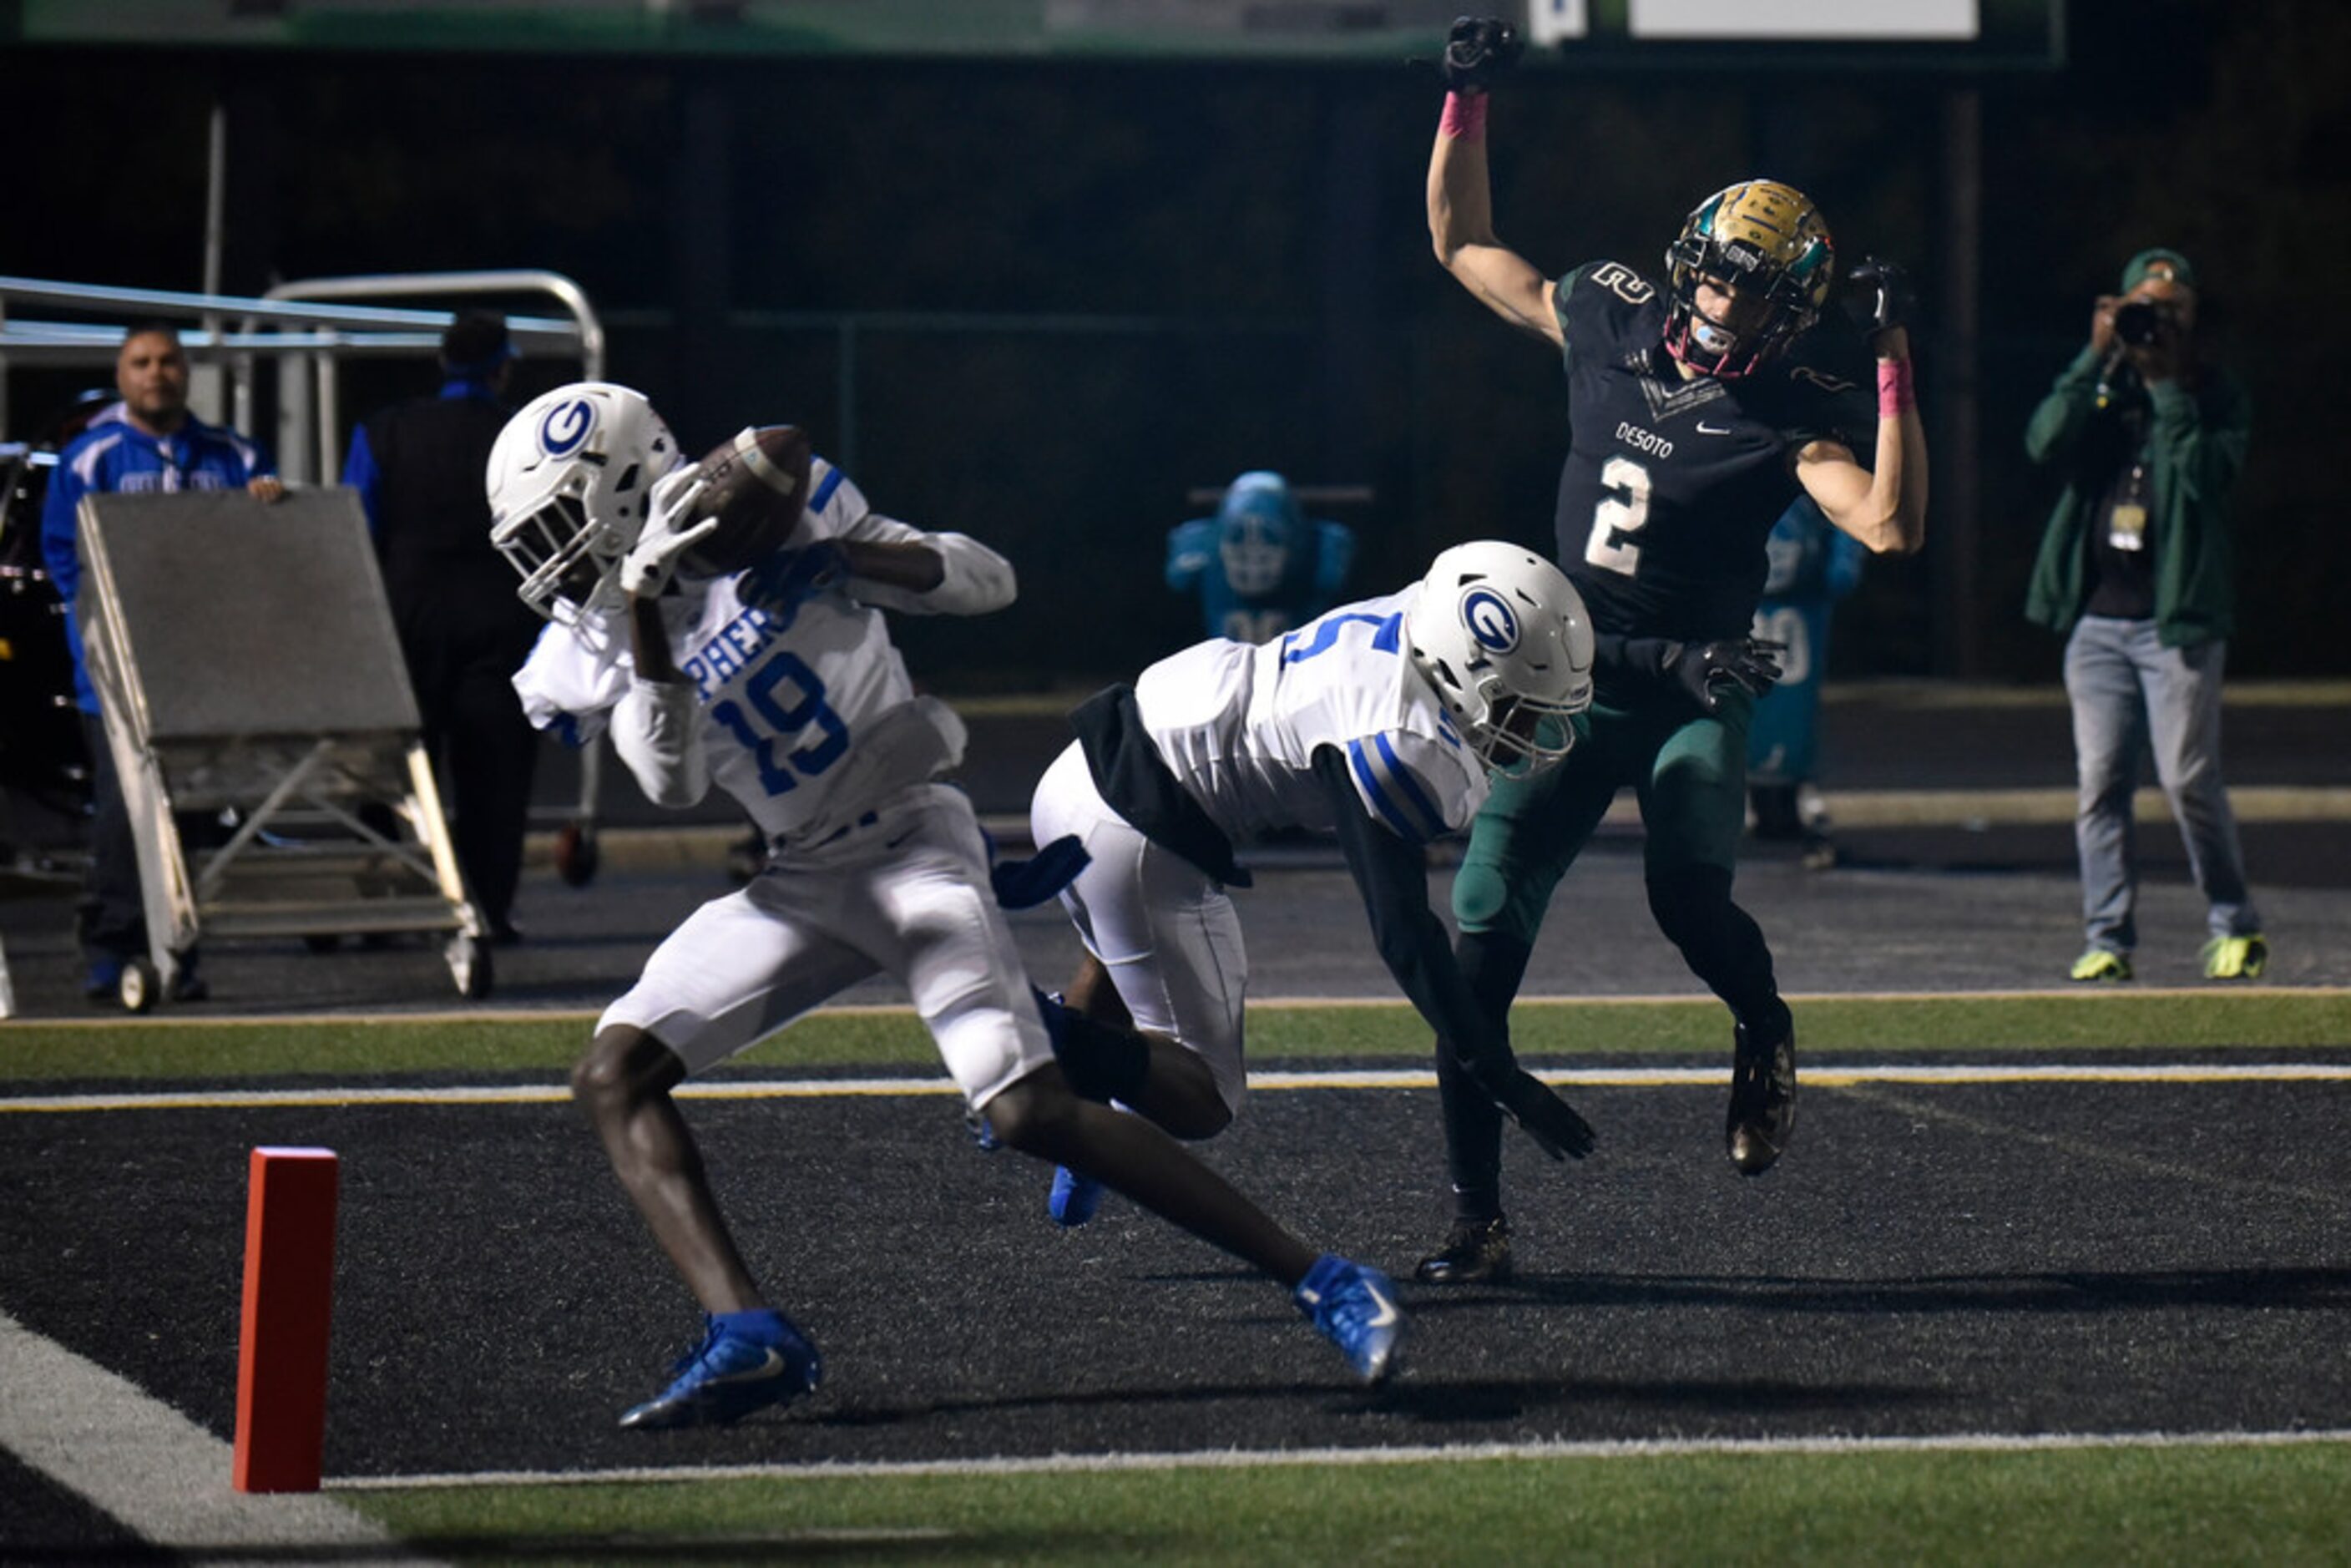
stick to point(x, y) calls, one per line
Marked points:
point(1190, 547)
point(657, 731)
point(1846, 555)
point(1334, 560)
point(2202, 456)
point(974, 578)
point(1411, 940)
point(60, 524)
point(2057, 426)
point(361, 473)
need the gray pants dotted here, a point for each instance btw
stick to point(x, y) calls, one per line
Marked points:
point(2128, 689)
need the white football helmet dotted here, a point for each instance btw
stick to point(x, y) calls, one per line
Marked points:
point(1501, 636)
point(569, 477)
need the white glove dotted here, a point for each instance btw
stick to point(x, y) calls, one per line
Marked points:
point(669, 531)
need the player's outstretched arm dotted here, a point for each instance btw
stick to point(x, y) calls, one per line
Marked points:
point(1460, 198)
point(1412, 941)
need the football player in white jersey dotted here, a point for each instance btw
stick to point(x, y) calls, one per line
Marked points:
point(1382, 722)
point(776, 678)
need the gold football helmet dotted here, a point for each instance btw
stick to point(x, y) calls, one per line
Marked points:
point(1768, 244)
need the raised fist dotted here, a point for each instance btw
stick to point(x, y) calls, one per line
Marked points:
point(1879, 295)
point(1477, 51)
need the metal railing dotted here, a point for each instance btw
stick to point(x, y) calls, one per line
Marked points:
point(306, 328)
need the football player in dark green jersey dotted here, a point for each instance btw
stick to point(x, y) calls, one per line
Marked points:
point(1697, 410)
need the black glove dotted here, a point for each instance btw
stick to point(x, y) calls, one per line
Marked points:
point(1705, 670)
point(1549, 1120)
point(1879, 295)
point(1476, 52)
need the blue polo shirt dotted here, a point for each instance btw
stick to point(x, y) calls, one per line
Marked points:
point(114, 456)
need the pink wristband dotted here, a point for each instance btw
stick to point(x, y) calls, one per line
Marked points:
point(1465, 116)
point(1894, 395)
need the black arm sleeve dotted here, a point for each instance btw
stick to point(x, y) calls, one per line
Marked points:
point(1411, 940)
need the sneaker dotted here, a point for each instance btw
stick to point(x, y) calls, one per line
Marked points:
point(2101, 964)
point(2236, 957)
point(728, 1376)
point(982, 1131)
point(1475, 1251)
point(1354, 1306)
point(1075, 1198)
point(1762, 1100)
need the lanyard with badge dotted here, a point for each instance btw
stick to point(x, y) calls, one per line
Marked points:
point(2126, 520)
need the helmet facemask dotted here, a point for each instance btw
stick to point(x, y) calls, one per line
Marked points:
point(1256, 527)
point(568, 479)
point(1767, 244)
point(1501, 637)
point(569, 562)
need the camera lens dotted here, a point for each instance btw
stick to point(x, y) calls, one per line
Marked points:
point(2137, 323)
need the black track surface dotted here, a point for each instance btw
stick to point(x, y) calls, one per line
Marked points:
point(2037, 1258)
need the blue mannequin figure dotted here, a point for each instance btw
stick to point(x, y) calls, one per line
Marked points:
point(1811, 567)
point(1258, 565)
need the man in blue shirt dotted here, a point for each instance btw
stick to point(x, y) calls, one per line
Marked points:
point(146, 442)
point(418, 468)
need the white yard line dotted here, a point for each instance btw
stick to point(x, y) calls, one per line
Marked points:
point(1244, 1458)
point(1375, 1077)
point(585, 1016)
point(153, 1470)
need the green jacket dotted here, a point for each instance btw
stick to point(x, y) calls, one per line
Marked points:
point(2195, 449)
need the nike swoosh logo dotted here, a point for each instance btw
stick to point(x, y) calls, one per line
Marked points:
point(774, 1366)
point(1387, 1312)
point(1706, 429)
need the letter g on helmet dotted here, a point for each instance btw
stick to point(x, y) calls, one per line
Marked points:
point(1503, 639)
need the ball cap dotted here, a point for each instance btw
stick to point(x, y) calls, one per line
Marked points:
point(2158, 262)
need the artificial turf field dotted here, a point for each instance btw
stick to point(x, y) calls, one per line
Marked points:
point(2011, 1228)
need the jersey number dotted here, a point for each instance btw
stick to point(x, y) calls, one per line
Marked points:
point(1623, 511)
point(785, 721)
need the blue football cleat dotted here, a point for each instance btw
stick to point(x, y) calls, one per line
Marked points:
point(1354, 1306)
point(1075, 1198)
point(728, 1376)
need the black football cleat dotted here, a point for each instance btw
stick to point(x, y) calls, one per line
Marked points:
point(1476, 1251)
point(1763, 1101)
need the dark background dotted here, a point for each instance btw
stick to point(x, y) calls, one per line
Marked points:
point(1066, 292)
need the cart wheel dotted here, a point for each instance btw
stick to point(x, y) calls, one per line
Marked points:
point(469, 966)
point(141, 987)
point(322, 941)
point(575, 854)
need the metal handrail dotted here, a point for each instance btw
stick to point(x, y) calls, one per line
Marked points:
point(325, 383)
point(319, 327)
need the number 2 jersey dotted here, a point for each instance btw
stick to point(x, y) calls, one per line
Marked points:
point(1238, 723)
point(1671, 485)
point(807, 719)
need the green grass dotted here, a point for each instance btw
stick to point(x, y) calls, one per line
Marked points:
point(2112, 1505)
point(1549, 1032)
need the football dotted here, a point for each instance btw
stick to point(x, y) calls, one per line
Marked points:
point(757, 483)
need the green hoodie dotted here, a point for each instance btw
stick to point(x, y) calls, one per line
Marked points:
point(2195, 449)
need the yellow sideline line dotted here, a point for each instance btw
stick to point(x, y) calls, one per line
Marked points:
point(1400, 1078)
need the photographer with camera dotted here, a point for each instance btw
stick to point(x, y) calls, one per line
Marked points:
point(2138, 571)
